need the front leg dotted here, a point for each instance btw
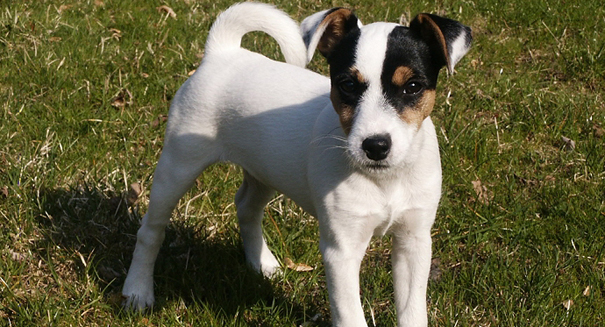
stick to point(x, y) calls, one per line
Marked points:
point(411, 267)
point(342, 255)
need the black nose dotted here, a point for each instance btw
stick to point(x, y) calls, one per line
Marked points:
point(377, 147)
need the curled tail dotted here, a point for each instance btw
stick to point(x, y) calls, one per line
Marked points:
point(231, 25)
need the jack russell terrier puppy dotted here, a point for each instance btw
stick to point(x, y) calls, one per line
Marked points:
point(357, 150)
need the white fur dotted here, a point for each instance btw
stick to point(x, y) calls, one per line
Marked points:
point(239, 19)
point(276, 121)
point(459, 48)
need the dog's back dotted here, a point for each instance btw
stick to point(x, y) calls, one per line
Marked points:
point(244, 102)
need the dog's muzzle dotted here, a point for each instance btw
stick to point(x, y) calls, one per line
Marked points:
point(377, 147)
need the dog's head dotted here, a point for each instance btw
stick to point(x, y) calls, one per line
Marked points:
point(383, 77)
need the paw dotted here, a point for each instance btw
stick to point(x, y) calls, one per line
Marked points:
point(271, 271)
point(138, 294)
point(268, 265)
point(137, 302)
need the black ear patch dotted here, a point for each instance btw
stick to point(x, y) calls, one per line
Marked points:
point(447, 37)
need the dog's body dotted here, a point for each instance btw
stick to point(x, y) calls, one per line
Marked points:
point(349, 150)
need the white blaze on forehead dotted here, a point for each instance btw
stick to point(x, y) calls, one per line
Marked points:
point(372, 116)
point(371, 51)
point(369, 61)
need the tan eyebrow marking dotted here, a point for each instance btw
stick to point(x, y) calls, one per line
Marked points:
point(355, 72)
point(401, 75)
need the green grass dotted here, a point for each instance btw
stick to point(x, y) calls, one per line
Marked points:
point(520, 230)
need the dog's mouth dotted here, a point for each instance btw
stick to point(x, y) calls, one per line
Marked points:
point(376, 166)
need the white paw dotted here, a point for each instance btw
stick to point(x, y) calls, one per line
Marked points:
point(138, 294)
point(272, 270)
point(138, 302)
point(267, 265)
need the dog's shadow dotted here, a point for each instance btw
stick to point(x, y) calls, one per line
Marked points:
point(98, 229)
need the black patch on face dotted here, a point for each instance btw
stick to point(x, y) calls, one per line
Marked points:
point(342, 76)
point(409, 50)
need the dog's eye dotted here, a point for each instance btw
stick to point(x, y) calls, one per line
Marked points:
point(346, 86)
point(412, 88)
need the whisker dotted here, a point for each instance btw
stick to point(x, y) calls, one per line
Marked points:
point(329, 136)
point(336, 147)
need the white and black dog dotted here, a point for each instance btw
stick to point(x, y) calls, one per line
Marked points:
point(357, 150)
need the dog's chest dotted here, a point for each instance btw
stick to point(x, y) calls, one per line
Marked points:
point(391, 207)
point(381, 205)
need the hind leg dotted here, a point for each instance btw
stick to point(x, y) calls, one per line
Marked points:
point(175, 173)
point(250, 200)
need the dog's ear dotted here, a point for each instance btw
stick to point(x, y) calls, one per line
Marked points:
point(325, 29)
point(447, 37)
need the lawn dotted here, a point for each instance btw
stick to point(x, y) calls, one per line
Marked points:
point(85, 88)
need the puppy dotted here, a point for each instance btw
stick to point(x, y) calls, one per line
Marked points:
point(358, 150)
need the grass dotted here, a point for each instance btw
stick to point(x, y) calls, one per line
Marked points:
point(84, 90)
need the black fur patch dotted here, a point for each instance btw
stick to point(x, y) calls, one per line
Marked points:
point(407, 49)
point(341, 61)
